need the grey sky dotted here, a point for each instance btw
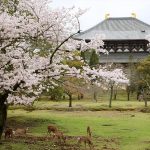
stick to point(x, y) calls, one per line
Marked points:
point(98, 9)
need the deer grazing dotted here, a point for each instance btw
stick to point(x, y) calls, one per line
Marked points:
point(59, 136)
point(20, 131)
point(9, 133)
point(86, 139)
point(52, 129)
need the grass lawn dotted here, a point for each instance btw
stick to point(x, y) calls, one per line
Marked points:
point(85, 105)
point(88, 104)
point(111, 130)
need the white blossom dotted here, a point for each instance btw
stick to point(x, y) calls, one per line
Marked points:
point(23, 70)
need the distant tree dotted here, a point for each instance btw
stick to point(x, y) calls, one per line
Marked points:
point(143, 70)
point(56, 93)
point(111, 93)
point(10, 4)
point(94, 59)
point(93, 62)
point(132, 78)
point(113, 83)
point(73, 86)
point(115, 93)
point(128, 90)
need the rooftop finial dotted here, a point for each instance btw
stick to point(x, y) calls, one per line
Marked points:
point(107, 16)
point(133, 15)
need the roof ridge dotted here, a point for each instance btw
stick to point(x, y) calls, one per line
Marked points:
point(126, 18)
point(119, 18)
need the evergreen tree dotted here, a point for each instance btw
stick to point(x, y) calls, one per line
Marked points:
point(143, 73)
point(94, 59)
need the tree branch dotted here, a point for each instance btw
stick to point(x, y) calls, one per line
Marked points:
point(57, 48)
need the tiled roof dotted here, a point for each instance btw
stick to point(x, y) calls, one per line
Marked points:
point(118, 29)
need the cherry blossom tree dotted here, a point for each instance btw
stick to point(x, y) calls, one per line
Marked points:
point(107, 78)
point(34, 41)
point(22, 70)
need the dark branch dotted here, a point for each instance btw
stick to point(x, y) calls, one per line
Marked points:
point(57, 48)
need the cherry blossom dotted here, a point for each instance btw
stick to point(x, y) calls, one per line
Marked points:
point(24, 70)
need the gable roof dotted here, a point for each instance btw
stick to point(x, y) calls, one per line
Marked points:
point(123, 28)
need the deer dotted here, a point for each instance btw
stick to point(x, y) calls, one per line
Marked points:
point(9, 133)
point(52, 128)
point(20, 131)
point(86, 139)
point(89, 133)
point(60, 136)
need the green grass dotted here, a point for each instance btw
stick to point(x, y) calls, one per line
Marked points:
point(88, 103)
point(84, 105)
point(112, 129)
point(125, 129)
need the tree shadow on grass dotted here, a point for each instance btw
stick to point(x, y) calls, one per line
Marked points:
point(23, 122)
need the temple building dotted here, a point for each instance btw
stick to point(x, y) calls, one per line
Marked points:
point(124, 38)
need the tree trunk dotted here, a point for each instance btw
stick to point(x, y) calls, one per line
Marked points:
point(128, 96)
point(145, 101)
point(138, 93)
point(128, 90)
point(79, 97)
point(3, 111)
point(111, 95)
point(145, 96)
point(115, 94)
point(3, 116)
point(64, 97)
point(82, 96)
point(95, 96)
point(3, 107)
point(70, 100)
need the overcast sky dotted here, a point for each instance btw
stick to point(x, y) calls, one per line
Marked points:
point(98, 9)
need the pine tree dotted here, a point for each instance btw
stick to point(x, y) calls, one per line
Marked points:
point(94, 59)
